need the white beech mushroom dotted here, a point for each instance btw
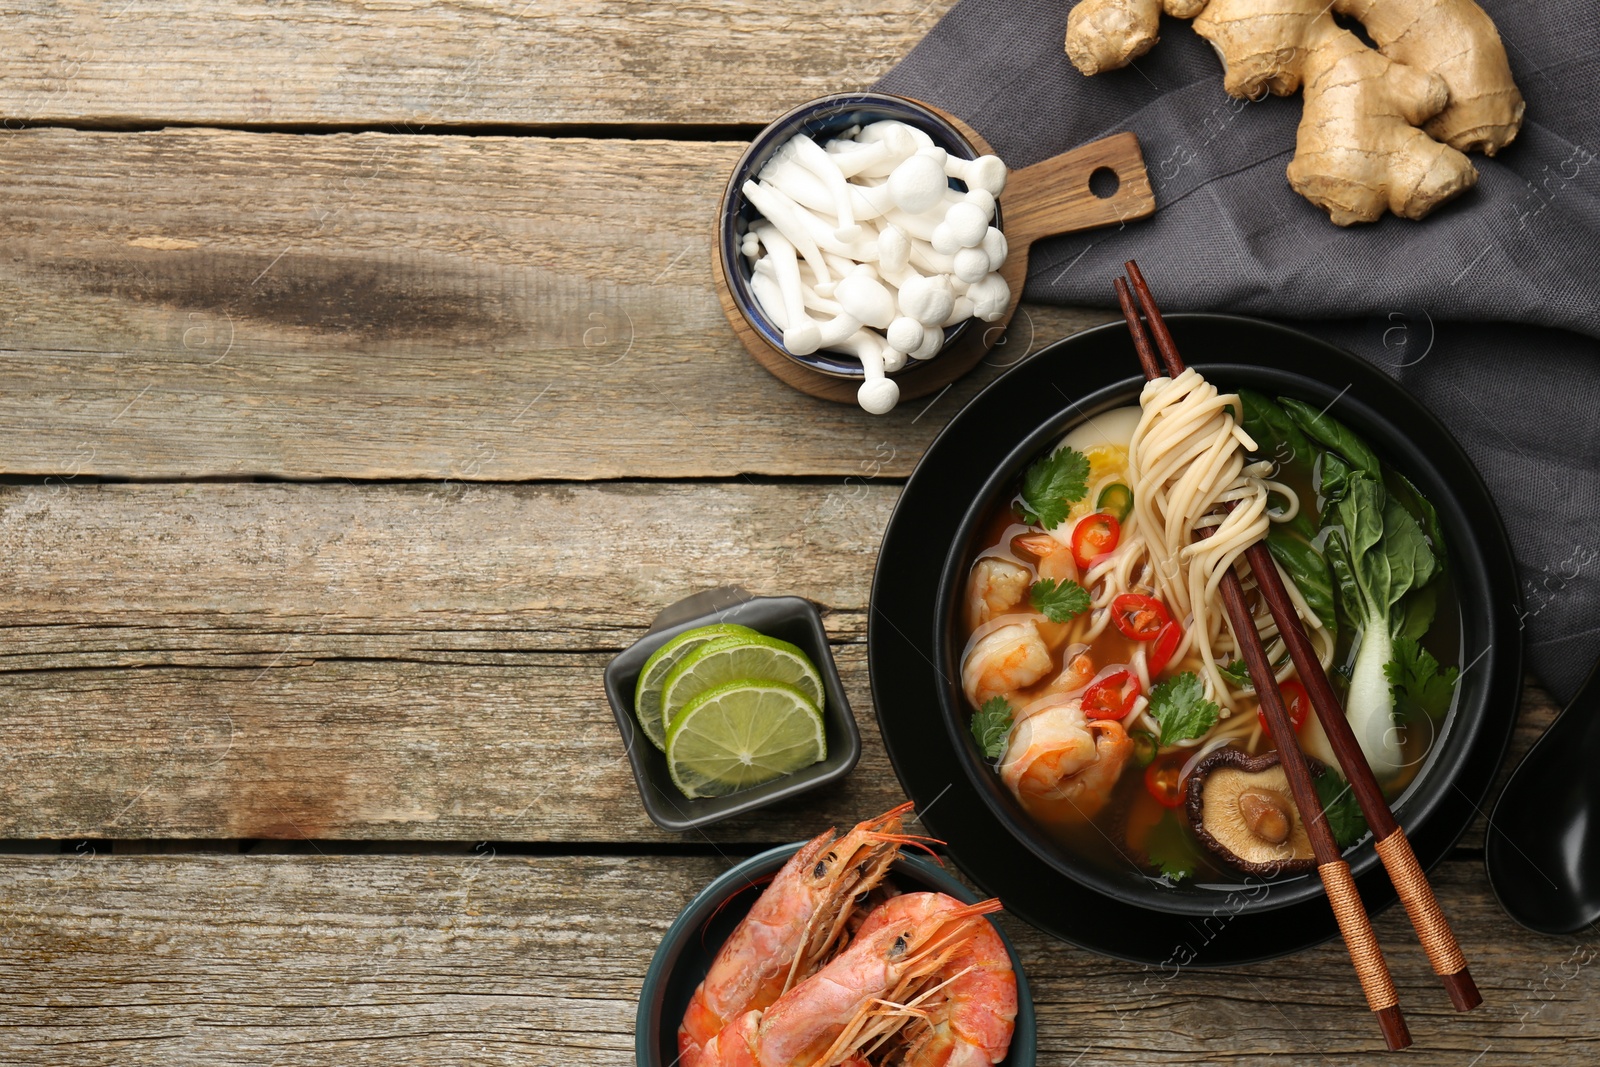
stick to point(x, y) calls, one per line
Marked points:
point(864, 248)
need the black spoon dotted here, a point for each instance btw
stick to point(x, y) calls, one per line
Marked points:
point(1543, 845)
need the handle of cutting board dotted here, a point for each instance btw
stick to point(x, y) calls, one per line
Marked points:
point(1054, 196)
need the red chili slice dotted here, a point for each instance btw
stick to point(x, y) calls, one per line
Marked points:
point(1139, 617)
point(1296, 699)
point(1163, 780)
point(1166, 644)
point(1093, 537)
point(1111, 697)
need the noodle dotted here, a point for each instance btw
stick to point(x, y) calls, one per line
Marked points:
point(1186, 462)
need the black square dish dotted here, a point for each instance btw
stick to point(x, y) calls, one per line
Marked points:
point(788, 618)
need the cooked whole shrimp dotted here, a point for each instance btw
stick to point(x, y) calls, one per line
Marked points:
point(995, 587)
point(792, 927)
point(968, 1018)
point(1056, 755)
point(854, 1002)
point(1012, 656)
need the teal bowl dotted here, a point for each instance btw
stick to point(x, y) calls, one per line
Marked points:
point(697, 933)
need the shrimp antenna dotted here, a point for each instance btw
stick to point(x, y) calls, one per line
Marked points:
point(893, 813)
point(982, 907)
point(871, 1022)
point(910, 841)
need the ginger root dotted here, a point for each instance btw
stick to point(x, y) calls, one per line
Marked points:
point(1107, 34)
point(1458, 42)
point(1358, 151)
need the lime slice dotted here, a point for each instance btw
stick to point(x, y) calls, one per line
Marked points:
point(742, 657)
point(647, 693)
point(741, 735)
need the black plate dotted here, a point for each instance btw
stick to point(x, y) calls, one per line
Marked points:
point(1021, 412)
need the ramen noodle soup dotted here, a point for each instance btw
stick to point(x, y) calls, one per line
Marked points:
point(1099, 667)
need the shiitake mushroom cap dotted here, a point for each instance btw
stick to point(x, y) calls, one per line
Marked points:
point(1270, 775)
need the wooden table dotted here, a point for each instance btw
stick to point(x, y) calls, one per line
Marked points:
point(364, 391)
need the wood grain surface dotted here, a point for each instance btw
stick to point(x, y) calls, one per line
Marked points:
point(516, 63)
point(365, 390)
point(489, 958)
point(381, 661)
point(199, 303)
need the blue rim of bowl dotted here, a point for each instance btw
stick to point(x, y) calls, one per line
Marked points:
point(828, 114)
point(646, 1036)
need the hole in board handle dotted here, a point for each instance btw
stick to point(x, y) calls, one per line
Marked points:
point(1104, 183)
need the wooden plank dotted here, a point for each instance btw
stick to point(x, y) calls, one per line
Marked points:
point(490, 959)
point(259, 576)
point(520, 749)
point(296, 62)
point(194, 303)
point(389, 661)
point(381, 661)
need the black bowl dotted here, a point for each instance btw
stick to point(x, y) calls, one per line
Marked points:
point(692, 941)
point(914, 645)
point(789, 618)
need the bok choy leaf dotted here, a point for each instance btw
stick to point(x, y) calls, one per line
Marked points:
point(1378, 553)
point(1333, 435)
point(1308, 570)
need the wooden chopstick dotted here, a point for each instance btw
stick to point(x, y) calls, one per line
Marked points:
point(1394, 849)
point(1337, 882)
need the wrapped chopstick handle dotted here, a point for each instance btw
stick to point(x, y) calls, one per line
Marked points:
point(1365, 954)
point(1433, 929)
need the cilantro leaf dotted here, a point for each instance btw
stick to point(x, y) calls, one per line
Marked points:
point(1181, 709)
point(1417, 681)
point(1059, 602)
point(1339, 807)
point(1171, 851)
point(1174, 870)
point(1052, 485)
point(991, 725)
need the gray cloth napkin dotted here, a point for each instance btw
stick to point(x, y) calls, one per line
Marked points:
point(1488, 311)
